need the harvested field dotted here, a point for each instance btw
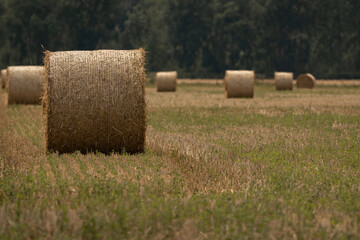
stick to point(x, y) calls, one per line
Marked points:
point(284, 165)
point(319, 82)
point(200, 81)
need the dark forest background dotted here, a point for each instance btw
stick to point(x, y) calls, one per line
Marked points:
point(199, 38)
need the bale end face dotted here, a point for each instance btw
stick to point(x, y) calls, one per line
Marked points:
point(95, 101)
point(240, 84)
point(283, 80)
point(166, 81)
point(306, 81)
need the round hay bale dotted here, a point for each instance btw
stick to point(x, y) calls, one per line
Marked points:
point(239, 84)
point(24, 84)
point(284, 80)
point(225, 79)
point(166, 81)
point(306, 81)
point(3, 78)
point(95, 101)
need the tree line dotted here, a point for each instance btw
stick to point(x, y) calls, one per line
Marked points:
point(198, 38)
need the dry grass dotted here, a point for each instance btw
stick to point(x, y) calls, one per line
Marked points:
point(201, 81)
point(319, 82)
point(266, 101)
point(282, 165)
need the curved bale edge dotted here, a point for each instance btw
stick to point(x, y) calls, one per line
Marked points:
point(166, 81)
point(306, 81)
point(95, 101)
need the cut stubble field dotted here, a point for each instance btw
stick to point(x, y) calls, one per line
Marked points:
point(285, 164)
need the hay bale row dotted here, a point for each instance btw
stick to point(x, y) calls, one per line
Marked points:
point(306, 81)
point(3, 78)
point(95, 101)
point(283, 80)
point(166, 81)
point(239, 84)
point(24, 84)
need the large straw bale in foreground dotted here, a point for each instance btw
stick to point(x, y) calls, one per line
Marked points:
point(284, 80)
point(239, 84)
point(3, 78)
point(166, 81)
point(95, 101)
point(24, 84)
point(306, 81)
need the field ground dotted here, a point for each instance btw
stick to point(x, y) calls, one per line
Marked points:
point(281, 165)
point(319, 82)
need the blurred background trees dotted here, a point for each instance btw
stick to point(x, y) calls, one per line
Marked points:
point(199, 38)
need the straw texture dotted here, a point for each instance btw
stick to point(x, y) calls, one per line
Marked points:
point(166, 81)
point(306, 81)
point(95, 101)
point(239, 84)
point(225, 79)
point(284, 80)
point(24, 84)
point(3, 78)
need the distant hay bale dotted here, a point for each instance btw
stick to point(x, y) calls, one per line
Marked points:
point(95, 101)
point(24, 84)
point(166, 81)
point(3, 78)
point(239, 84)
point(284, 80)
point(306, 81)
point(225, 79)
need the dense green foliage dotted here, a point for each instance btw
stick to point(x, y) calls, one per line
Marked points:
point(199, 38)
